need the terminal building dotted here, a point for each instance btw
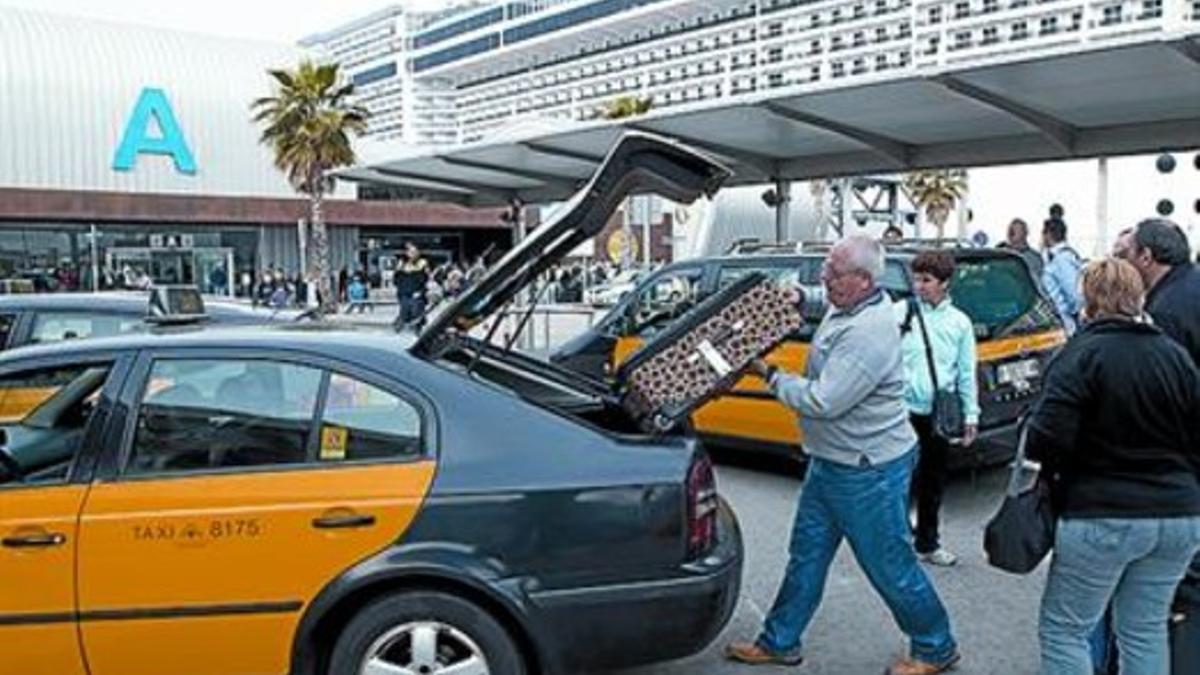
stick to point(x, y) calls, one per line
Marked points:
point(459, 85)
point(129, 149)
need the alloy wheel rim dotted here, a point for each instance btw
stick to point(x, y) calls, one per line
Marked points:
point(424, 648)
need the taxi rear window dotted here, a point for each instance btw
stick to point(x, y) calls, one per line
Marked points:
point(59, 326)
point(1000, 297)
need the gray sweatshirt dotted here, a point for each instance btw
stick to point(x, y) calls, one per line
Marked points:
point(851, 397)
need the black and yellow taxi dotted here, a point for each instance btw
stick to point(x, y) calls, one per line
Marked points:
point(1016, 329)
point(27, 319)
point(309, 499)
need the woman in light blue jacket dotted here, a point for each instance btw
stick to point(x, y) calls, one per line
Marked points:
point(952, 338)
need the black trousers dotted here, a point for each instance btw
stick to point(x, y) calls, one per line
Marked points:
point(929, 483)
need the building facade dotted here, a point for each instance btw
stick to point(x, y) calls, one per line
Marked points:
point(495, 62)
point(131, 150)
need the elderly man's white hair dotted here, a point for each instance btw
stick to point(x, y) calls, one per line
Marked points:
point(863, 254)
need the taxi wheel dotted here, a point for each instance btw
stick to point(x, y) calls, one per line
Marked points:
point(425, 633)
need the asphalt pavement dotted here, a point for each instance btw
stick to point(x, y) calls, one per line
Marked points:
point(994, 614)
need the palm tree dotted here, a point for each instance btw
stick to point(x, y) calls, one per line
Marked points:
point(937, 191)
point(308, 123)
point(627, 106)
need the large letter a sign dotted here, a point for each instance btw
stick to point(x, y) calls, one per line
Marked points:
point(152, 103)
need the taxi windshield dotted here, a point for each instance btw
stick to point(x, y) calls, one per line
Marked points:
point(1000, 297)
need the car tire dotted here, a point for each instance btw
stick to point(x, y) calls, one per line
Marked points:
point(386, 629)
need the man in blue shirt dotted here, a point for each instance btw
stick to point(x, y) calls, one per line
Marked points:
point(1060, 277)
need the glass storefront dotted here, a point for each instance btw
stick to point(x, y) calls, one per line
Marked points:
point(78, 257)
point(379, 248)
point(219, 259)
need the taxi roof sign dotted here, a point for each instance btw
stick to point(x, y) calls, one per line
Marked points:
point(175, 304)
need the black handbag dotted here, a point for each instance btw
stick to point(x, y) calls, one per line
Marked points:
point(949, 422)
point(1021, 533)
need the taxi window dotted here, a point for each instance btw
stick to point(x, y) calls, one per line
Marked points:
point(56, 327)
point(665, 298)
point(791, 273)
point(806, 273)
point(199, 414)
point(1000, 297)
point(45, 415)
point(361, 421)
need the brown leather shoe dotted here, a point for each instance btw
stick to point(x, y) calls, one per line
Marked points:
point(757, 655)
point(915, 667)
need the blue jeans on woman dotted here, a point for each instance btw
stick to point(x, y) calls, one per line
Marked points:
point(868, 506)
point(1135, 562)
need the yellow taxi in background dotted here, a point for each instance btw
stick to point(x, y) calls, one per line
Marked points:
point(1016, 328)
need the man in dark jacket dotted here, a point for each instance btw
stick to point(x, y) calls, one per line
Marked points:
point(1159, 250)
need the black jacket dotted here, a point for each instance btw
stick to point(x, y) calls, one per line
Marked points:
point(1118, 423)
point(1174, 304)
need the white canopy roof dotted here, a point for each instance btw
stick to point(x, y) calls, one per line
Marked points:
point(1138, 98)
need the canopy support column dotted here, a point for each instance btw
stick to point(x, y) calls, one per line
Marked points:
point(783, 195)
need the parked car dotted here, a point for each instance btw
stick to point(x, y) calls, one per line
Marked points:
point(50, 317)
point(311, 500)
point(614, 290)
point(1015, 325)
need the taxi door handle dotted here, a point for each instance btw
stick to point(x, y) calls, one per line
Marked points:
point(343, 520)
point(41, 539)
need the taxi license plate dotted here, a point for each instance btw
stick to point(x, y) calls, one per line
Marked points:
point(1023, 370)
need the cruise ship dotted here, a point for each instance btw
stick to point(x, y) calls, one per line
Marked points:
point(463, 74)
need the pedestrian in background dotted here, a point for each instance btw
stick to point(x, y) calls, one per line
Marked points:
point(356, 293)
point(863, 450)
point(1121, 437)
point(1060, 276)
point(1017, 241)
point(939, 347)
point(411, 279)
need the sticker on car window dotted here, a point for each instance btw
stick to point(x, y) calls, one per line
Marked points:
point(333, 442)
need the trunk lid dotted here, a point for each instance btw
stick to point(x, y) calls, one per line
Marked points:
point(637, 163)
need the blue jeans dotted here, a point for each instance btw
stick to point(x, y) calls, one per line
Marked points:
point(1135, 562)
point(868, 506)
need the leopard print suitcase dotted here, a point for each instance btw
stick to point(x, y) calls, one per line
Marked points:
point(706, 351)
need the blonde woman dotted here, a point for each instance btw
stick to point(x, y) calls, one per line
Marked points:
point(1118, 427)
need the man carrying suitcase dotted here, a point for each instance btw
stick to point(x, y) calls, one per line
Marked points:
point(863, 450)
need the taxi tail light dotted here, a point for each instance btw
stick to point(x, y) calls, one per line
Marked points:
point(702, 505)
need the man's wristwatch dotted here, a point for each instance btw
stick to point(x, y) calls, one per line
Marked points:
point(770, 375)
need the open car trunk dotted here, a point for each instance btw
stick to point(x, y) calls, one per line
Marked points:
point(637, 163)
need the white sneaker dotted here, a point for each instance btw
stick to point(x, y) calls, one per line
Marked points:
point(940, 557)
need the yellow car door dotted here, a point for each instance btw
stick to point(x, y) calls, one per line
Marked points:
point(243, 487)
point(43, 485)
point(37, 586)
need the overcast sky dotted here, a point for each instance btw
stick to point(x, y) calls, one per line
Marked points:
point(274, 20)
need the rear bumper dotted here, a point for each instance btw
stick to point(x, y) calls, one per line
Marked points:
point(627, 624)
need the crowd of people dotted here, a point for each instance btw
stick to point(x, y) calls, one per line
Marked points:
point(1118, 439)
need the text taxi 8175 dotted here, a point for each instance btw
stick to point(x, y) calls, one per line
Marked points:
point(311, 500)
